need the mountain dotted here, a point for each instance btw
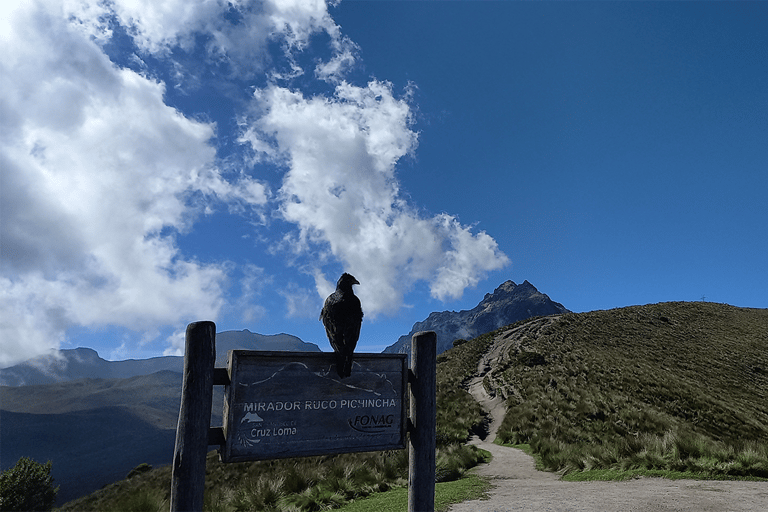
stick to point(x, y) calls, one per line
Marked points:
point(79, 363)
point(656, 389)
point(247, 340)
point(72, 364)
point(93, 430)
point(676, 386)
point(507, 304)
point(97, 419)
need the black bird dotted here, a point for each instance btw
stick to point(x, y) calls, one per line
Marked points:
point(342, 316)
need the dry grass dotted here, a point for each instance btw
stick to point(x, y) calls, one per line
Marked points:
point(675, 386)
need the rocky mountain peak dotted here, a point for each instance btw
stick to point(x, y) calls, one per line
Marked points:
point(508, 303)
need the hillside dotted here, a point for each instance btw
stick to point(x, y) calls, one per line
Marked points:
point(97, 419)
point(666, 386)
point(94, 430)
point(672, 386)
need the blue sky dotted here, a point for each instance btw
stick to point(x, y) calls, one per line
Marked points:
point(170, 162)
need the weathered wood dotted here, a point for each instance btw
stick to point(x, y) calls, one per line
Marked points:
point(293, 404)
point(421, 446)
point(188, 472)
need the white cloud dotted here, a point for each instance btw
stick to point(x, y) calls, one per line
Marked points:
point(100, 175)
point(120, 353)
point(252, 283)
point(97, 177)
point(235, 31)
point(341, 191)
point(300, 302)
point(177, 343)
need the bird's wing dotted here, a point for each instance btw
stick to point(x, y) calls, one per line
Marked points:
point(351, 320)
point(330, 315)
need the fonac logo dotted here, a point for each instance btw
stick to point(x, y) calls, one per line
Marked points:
point(372, 423)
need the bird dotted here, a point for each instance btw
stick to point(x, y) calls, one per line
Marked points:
point(342, 316)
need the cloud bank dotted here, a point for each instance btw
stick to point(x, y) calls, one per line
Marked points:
point(100, 175)
point(341, 191)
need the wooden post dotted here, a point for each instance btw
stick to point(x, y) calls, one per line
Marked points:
point(188, 473)
point(421, 446)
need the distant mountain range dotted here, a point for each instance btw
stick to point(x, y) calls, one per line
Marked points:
point(93, 430)
point(97, 419)
point(79, 363)
point(507, 304)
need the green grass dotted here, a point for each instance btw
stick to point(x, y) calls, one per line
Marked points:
point(313, 483)
point(619, 475)
point(672, 387)
point(458, 414)
point(290, 485)
point(470, 487)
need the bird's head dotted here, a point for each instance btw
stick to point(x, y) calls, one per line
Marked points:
point(346, 281)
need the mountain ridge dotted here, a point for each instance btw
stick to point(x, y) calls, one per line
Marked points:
point(82, 362)
point(509, 303)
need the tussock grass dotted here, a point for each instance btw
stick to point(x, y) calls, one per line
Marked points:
point(470, 487)
point(675, 390)
point(288, 485)
point(677, 387)
point(301, 484)
point(458, 414)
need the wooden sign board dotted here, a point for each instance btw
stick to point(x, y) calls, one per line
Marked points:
point(293, 404)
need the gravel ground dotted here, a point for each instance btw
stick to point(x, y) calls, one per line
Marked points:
point(518, 486)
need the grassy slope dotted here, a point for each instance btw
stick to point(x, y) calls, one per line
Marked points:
point(676, 386)
point(458, 414)
point(446, 494)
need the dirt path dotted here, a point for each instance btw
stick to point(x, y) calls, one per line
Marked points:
point(518, 486)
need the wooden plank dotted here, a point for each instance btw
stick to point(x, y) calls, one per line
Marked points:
point(188, 472)
point(216, 436)
point(293, 404)
point(422, 439)
point(220, 377)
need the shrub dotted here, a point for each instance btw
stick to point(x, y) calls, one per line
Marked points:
point(27, 486)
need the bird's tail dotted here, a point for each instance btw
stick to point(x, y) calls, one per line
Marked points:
point(344, 365)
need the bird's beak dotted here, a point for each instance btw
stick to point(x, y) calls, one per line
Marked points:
point(355, 281)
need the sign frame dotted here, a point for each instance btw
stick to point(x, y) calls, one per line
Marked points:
point(274, 371)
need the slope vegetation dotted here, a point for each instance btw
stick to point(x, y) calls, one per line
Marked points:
point(672, 386)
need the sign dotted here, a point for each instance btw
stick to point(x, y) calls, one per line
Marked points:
point(294, 404)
